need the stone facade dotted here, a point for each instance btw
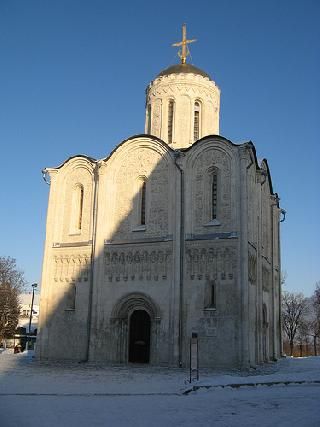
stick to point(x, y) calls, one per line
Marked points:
point(184, 90)
point(163, 239)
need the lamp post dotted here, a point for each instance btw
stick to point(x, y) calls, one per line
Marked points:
point(34, 285)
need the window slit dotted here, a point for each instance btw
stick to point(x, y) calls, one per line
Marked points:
point(214, 195)
point(170, 121)
point(196, 121)
point(80, 208)
point(149, 119)
point(71, 297)
point(213, 300)
point(143, 204)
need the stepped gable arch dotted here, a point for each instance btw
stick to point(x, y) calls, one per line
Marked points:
point(74, 161)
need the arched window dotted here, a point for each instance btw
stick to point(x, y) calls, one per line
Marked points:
point(170, 120)
point(77, 208)
point(214, 194)
point(80, 208)
point(264, 316)
point(149, 119)
point(210, 294)
point(213, 197)
point(196, 120)
point(213, 296)
point(143, 204)
point(70, 297)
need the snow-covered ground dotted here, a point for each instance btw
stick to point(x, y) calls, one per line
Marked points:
point(36, 394)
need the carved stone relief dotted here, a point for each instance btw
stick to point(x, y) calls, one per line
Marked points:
point(156, 118)
point(252, 268)
point(71, 268)
point(201, 193)
point(149, 164)
point(212, 263)
point(123, 264)
point(266, 279)
point(180, 88)
point(185, 89)
point(207, 326)
point(266, 222)
point(252, 207)
point(79, 175)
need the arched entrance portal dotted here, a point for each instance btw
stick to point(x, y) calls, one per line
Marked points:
point(139, 337)
point(136, 317)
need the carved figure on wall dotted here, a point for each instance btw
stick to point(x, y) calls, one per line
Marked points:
point(205, 164)
point(151, 265)
point(71, 268)
point(210, 263)
point(252, 268)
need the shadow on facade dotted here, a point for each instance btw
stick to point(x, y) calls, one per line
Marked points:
point(109, 292)
point(134, 262)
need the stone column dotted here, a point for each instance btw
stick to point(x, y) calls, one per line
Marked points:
point(244, 324)
point(43, 336)
point(260, 181)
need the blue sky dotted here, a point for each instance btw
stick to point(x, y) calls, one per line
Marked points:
point(72, 81)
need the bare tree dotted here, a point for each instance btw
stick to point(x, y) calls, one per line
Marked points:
point(283, 277)
point(294, 307)
point(316, 299)
point(303, 332)
point(315, 321)
point(12, 282)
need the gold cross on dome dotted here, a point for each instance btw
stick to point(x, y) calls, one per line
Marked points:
point(184, 52)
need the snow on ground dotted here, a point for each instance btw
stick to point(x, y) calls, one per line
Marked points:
point(40, 394)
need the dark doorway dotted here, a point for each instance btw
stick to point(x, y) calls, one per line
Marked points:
point(139, 337)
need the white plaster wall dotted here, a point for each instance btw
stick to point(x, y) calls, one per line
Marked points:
point(133, 259)
point(67, 263)
point(184, 89)
point(237, 252)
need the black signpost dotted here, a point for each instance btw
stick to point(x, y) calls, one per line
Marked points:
point(194, 357)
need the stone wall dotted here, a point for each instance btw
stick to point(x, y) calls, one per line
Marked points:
point(190, 272)
point(184, 90)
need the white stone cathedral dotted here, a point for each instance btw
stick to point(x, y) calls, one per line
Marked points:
point(175, 233)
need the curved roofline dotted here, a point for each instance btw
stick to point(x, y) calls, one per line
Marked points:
point(183, 69)
point(213, 136)
point(264, 160)
point(172, 151)
point(140, 135)
point(104, 159)
point(91, 159)
point(248, 144)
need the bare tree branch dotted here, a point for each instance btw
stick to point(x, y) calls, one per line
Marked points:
point(294, 308)
point(12, 282)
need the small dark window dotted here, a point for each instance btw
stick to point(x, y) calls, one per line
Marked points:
point(170, 120)
point(80, 207)
point(264, 316)
point(149, 119)
point(213, 296)
point(77, 209)
point(71, 297)
point(210, 294)
point(196, 121)
point(214, 195)
point(143, 204)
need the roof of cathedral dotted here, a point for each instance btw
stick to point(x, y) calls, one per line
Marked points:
point(183, 68)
